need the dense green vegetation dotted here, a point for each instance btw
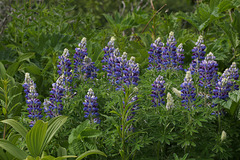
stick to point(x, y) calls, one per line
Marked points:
point(68, 90)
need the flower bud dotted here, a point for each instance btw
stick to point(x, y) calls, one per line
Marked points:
point(223, 136)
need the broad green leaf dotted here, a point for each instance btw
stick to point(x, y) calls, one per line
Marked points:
point(12, 69)
point(12, 149)
point(2, 71)
point(3, 155)
point(35, 138)
point(90, 153)
point(53, 126)
point(64, 157)
point(17, 126)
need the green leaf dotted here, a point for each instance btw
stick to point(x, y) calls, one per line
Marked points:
point(90, 153)
point(17, 126)
point(12, 69)
point(36, 137)
point(25, 56)
point(64, 157)
point(90, 133)
point(2, 70)
point(53, 126)
point(12, 149)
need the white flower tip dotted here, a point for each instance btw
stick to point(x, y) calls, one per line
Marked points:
point(112, 39)
point(223, 136)
point(180, 45)
point(132, 58)
point(135, 89)
point(84, 40)
point(27, 75)
point(188, 75)
point(171, 34)
point(158, 39)
point(177, 92)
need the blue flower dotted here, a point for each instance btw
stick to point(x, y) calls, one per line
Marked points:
point(90, 107)
point(88, 68)
point(198, 55)
point(54, 105)
point(155, 54)
point(208, 73)
point(78, 57)
point(34, 104)
point(64, 67)
point(188, 91)
point(158, 90)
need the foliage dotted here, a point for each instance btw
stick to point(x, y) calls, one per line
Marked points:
point(35, 35)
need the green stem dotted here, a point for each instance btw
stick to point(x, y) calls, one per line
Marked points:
point(219, 120)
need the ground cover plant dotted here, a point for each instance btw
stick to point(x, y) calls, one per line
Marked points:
point(129, 80)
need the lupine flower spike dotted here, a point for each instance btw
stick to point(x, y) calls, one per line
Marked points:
point(234, 75)
point(170, 101)
point(198, 55)
point(54, 105)
point(158, 89)
point(88, 68)
point(180, 56)
point(131, 72)
point(155, 54)
point(226, 83)
point(78, 57)
point(109, 49)
point(169, 54)
point(208, 73)
point(64, 66)
point(90, 107)
point(34, 104)
point(188, 91)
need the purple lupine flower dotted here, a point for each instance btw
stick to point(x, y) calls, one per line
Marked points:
point(169, 54)
point(78, 57)
point(121, 64)
point(34, 104)
point(90, 107)
point(223, 87)
point(113, 67)
point(188, 91)
point(54, 106)
point(64, 66)
point(131, 72)
point(227, 82)
point(233, 71)
point(158, 91)
point(208, 73)
point(199, 49)
point(155, 54)
point(108, 50)
point(180, 56)
point(198, 55)
point(88, 68)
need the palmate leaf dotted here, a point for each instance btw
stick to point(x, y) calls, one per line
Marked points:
point(12, 149)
